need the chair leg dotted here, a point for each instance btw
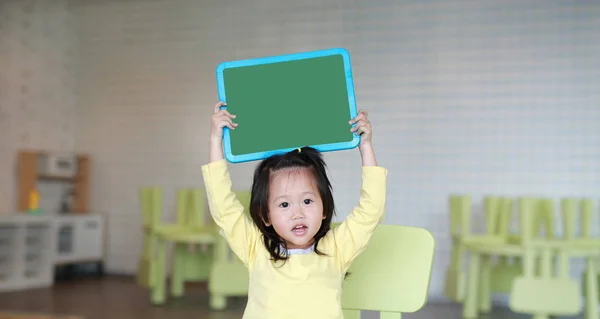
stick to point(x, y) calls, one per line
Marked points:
point(159, 274)
point(470, 306)
point(485, 280)
point(591, 293)
point(218, 301)
point(455, 279)
point(177, 272)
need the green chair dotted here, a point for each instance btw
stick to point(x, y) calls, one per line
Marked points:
point(189, 231)
point(228, 276)
point(585, 246)
point(392, 275)
point(537, 290)
point(543, 292)
point(193, 246)
point(460, 227)
point(497, 277)
point(151, 203)
point(502, 273)
point(461, 235)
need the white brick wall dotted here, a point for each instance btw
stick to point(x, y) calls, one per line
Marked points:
point(38, 79)
point(476, 97)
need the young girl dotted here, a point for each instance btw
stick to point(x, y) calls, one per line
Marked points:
point(296, 261)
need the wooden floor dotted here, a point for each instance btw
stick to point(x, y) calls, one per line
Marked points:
point(120, 298)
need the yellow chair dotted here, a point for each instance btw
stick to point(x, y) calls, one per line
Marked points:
point(189, 231)
point(497, 220)
point(500, 276)
point(543, 292)
point(585, 246)
point(495, 277)
point(151, 202)
point(537, 290)
point(228, 276)
point(460, 227)
point(193, 245)
point(392, 275)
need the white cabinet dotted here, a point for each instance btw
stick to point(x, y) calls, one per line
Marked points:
point(89, 238)
point(65, 241)
point(31, 246)
point(80, 238)
point(26, 252)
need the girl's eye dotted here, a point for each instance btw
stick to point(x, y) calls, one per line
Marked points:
point(307, 201)
point(284, 204)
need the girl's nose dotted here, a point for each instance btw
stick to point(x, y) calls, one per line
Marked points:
point(298, 214)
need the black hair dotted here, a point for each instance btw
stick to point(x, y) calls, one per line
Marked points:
point(303, 158)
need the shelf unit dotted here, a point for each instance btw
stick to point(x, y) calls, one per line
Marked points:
point(28, 175)
point(26, 254)
point(79, 239)
point(31, 246)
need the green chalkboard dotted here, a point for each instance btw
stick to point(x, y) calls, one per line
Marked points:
point(286, 102)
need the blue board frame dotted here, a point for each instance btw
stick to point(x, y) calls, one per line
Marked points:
point(285, 58)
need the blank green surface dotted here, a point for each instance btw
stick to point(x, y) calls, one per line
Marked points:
point(288, 104)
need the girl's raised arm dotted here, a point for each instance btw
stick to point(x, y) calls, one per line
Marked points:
point(225, 208)
point(353, 235)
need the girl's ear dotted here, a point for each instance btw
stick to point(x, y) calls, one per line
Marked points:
point(266, 221)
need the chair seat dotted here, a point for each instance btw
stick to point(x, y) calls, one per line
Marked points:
point(556, 296)
point(165, 229)
point(192, 235)
point(496, 248)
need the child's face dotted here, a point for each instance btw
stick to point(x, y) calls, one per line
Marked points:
point(295, 207)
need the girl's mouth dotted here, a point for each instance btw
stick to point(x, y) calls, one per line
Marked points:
point(299, 230)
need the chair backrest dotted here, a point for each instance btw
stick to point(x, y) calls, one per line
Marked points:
point(498, 214)
point(151, 202)
point(544, 218)
point(191, 207)
point(460, 215)
point(574, 209)
point(392, 275)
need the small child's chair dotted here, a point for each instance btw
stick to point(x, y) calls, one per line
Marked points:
point(392, 275)
point(228, 276)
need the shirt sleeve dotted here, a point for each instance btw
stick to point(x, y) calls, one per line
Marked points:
point(353, 234)
point(228, 212)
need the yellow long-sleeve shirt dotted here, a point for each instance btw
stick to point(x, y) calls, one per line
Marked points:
point(307, 285)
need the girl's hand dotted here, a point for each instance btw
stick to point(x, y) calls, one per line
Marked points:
point(220, 119)
point(362, 127)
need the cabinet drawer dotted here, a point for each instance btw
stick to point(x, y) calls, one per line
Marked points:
point(7, 233)
point(89, 238)
point(8, 236)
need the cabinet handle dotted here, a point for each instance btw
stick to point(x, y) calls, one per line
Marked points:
point(91, 224)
